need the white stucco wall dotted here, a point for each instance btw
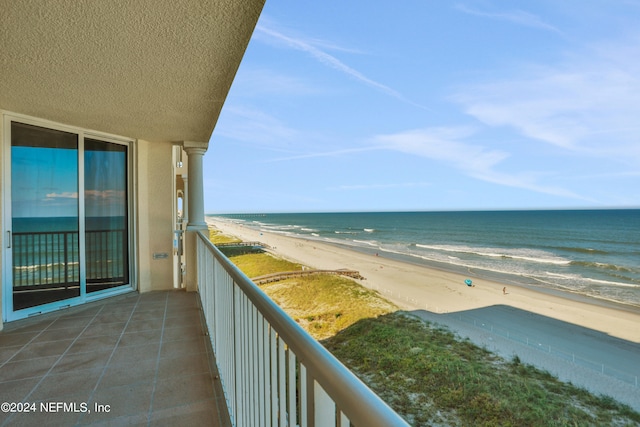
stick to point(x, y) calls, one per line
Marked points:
point(154, 216)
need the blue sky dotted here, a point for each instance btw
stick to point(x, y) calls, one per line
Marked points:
point(432, 105)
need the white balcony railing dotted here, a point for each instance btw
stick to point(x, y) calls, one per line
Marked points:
point(272, 371)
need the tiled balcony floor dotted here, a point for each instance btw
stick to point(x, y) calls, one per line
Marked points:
point(145, 356)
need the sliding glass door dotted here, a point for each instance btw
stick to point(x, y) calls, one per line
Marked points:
point(106, 219)
point(44, 215)
point(68, 239)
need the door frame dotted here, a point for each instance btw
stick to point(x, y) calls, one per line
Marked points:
point(8, 313)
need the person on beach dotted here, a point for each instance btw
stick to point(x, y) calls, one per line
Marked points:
point(504, 290)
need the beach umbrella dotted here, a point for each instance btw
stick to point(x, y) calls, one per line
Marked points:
point(468, 282)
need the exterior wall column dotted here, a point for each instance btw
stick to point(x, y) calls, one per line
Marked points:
point(195, 198)
point(195, 205)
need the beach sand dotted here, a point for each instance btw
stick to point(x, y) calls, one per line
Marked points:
point(594, 344)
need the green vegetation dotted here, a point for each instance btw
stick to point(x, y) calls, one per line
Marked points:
point(429, 375)
point(326, 304)
point(216, 237)
point(260, 263)
point(426, 373)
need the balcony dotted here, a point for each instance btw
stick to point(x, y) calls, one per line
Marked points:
point(144, 358)
point(147, 359)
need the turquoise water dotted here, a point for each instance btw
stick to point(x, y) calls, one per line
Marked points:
point(591, 252)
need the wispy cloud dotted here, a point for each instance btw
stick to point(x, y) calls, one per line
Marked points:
point(381, 186)
point(250, 82)
point(587, 104)
point(444, 144)
point(448, 146)
point(312, 48)
point(333, 153)
point(518, 17)
point(105, 195)
point(256, 127)
point(63, 195)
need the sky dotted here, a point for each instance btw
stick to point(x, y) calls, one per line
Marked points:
point(432, 105)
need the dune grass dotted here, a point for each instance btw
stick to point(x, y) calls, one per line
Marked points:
point(216, 237)
point(258, 263)
point(324, 304)
point(431, 376)
point(423, 371)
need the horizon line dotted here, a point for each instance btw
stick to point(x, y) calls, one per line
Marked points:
point(428, 210)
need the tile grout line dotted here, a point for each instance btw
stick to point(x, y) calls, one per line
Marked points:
point(55, 363)
point(30, 341)
point(155, 379)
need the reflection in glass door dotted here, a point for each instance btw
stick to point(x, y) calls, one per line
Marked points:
point(105, 201)
point(44, 215)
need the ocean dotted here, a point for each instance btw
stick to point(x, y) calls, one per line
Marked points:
point(590, 252)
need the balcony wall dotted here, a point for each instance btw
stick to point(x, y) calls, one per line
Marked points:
point(154, 220)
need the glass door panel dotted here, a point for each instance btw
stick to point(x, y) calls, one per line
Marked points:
point(44, 215)
point(106, 223)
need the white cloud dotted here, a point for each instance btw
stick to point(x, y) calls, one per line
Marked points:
point(254, 126)
point(448, 146)
point(311, 47)
point(443, 144)
point(251, 82)
point(381, 186)
point(587, 104)
point(518, 17)
point(333, 153)
point(63, 195)
point(105, 195)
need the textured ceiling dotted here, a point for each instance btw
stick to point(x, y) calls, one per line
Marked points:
point(159, 70)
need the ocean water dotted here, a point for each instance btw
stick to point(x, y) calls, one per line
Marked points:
point(590, 252)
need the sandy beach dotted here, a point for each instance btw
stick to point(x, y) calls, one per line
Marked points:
point(592, 344)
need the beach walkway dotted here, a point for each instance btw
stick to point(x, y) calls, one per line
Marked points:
point(236, 244)
point(274, 277)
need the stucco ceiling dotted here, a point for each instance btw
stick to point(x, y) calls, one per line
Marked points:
point(158, 70)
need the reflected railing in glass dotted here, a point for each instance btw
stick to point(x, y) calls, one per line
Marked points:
point(51, 259)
